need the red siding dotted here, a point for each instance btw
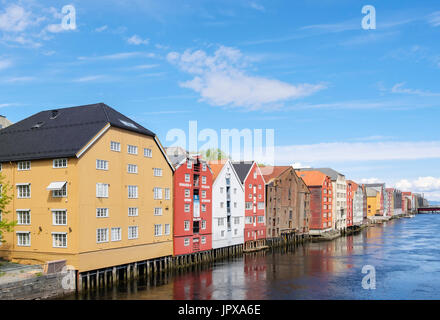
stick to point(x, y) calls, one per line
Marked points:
point(180, 216)
point(258, 231)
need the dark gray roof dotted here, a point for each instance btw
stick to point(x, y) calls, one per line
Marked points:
point(175, 160)
point(242, 169)
point(333, 174)
point(62, 135)
point(375, 185)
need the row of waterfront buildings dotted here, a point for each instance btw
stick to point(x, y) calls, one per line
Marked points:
point(94, 188)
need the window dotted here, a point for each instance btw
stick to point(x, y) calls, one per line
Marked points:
point(157, 193)
point(221, 189)
point(186, 225)
point(101, 212)
point(167, 193)
point(23, 239)
point(157, 172)
point(60, 163)
point(203, 207)
point(24, 165)
point(133, 232)
point(203, 224)
point(235, 204)
point(203, 194)
point(260, 219)
point(248, 220)
point(235, 190)
point(250, 186)
point(59, 217)
point(259, 186)
point(222, 234)
point(132, 168)
point(222, 204)
point(60, 193)
point(101, 164)
point(133, 212)
point(115, 146)
point(148, 153)
point(132, 192)
point(59, 239)
point(236, 220)
point(248, 205)
point(204, 167)
point(116, 234)
point(157, 211)
point(24, 191)
point(23, 217)
point(187, 177)
point(187, 207)
point(187, 193)
point(167, 229)
point(221, 222)
point(132, 149)
point(102, 190)
point(260, 205)
point(102, 235)
point(157, 230)
point(186, 242)
point(325, 207)
point(189, 164)
point(203, 240)
point(203, 180)
point(259, 196)
point(235, 232)
point(250, 195)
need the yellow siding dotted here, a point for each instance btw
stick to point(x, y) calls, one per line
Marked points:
point(83, 251)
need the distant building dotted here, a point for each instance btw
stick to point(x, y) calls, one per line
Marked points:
point(4, 122)
point(321, 200)
point(287, 202)
point(406, 202)
point(339, 206)
point(356, 202)
point(389, 202)
point(373, 202)
point(380, 203)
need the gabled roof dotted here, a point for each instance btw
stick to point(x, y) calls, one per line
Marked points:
point(242, 169)
point(333, 174)
point(354, 187)
point(313, 178)
point(216, 167)
point(271, 172)
point(371, 192)
point(61, 133)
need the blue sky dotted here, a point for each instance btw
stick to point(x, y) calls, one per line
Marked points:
point(365, 102)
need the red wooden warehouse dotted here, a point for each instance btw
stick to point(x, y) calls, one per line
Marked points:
point(192, 204)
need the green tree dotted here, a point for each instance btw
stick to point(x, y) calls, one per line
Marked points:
point(5, 199)
point(214, 154)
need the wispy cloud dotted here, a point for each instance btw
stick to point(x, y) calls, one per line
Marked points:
point(91, 78)
point(5, 63)
point(256, 6)
point(136, 40)
point(434, 19)
point(221, 80)
point(101, 29)
point(359, 151)
point(19, 79)
point(118, 56)
point(399, 88)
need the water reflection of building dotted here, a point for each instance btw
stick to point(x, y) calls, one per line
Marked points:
point(255, 273)
point(194, 286)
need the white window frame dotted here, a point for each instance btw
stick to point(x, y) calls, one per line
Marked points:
point(158, 230)
point(203, 224)
point(157, 211)
point(157, 193)
point(113, 233)
point(99, 212)
point(167, 229)
point(189, 164)
point(54, 217)
point(101, 164)
point(23, 232)
point(20, 192)
point(187, 177)
point(203, 194)
point(148, 152)
point(167, 193)
point(131, 149)
point(203, 179)
point(23, 165)
point(133, 211)
point(101, 232)
point(62, 193)
point(186, 225)
point(59, 163)
point(187, 193)
point(102, 190)
point(203, 240)
point(187, 207)
point(20, 214)
point(186, 242)
point(157, 172)
point(54, 241)
point(133, 192)
point(115, 146)
point(132, 168)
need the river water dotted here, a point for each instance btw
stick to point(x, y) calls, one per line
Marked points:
point(404, 252)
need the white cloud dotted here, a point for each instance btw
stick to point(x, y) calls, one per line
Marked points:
point(118, 56)
point(19, 79)
point(15, 19)
point(403, 185)
point(6, 63)
point(434, 19)
point(398, 88)
point(371, 180)
point(136, 40)
point(429, 186)
point(256, 6)
point(299, 165)
point(221, 80)
point(100, 29)
point(90, 78)
point(358, 151)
